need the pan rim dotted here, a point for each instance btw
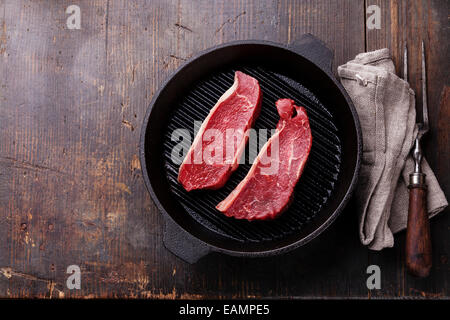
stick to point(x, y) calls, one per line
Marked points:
point(255, 253)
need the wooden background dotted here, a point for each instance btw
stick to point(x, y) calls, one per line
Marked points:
point(71, 107)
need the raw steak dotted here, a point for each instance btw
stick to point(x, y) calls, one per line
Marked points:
point(218, 145)
point(267, 189)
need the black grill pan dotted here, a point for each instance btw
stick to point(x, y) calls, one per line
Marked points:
point(302, 72)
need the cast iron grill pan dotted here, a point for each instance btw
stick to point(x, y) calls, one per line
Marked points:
point(316, 184)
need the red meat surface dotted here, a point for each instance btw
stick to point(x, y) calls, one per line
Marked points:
point(268, 188)
point(222, 137)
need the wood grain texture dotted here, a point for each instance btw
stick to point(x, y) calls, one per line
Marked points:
point(408, 23)
point(418, 239)
point(71, 106)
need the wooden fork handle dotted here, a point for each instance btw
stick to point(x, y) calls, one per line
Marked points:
point(418, 240)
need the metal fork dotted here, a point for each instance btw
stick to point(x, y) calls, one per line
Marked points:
point(418, 238)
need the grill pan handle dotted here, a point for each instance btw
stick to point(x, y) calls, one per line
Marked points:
point(181, 243)
point(313, 49)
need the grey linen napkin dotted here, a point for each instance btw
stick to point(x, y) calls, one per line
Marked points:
point(386, 108)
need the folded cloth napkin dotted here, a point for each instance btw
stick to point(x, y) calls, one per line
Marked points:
point(386, 108)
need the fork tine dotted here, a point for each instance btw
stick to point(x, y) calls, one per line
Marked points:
point(424, 91)
point(405, 63)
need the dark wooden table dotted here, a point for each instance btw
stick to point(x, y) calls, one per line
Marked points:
point(71, 107)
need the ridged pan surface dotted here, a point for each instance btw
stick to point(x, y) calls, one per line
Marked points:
point(316, 184)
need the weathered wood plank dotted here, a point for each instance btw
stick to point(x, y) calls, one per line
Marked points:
point(71, 192)
point(410, 23)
